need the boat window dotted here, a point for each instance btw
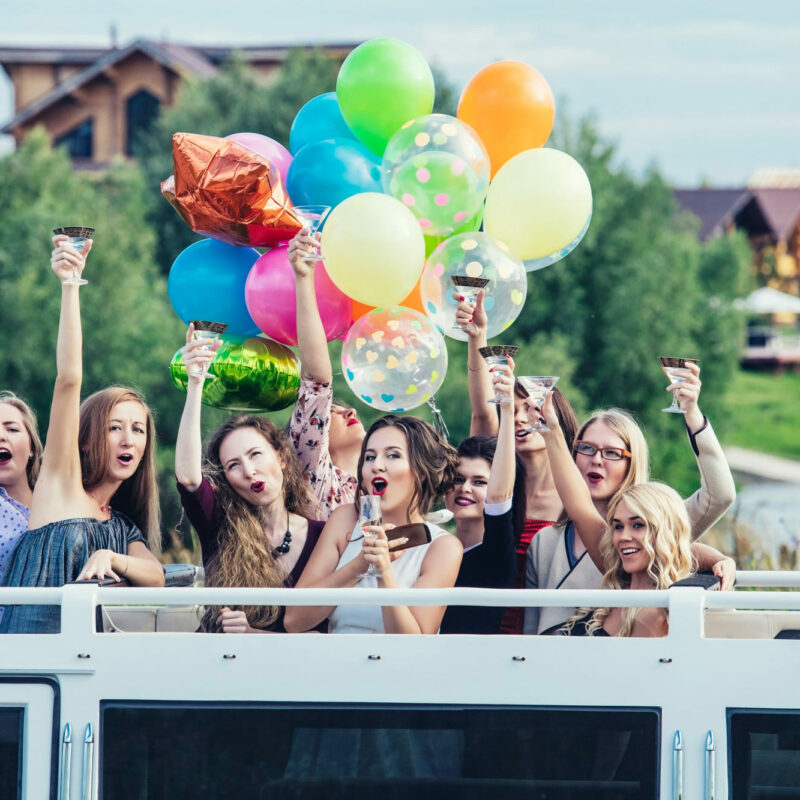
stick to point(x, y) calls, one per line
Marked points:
point(10, 752)
point(764, 754)
point(321, 752)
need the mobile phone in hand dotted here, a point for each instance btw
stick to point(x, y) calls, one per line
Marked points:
point(417, 533)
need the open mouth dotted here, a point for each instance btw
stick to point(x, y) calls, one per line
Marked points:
point(125, 458)
point(594, 477)
point(629, 551)
point(379, 485)
point(5, 456)
point(522, 433)
point(257, 486)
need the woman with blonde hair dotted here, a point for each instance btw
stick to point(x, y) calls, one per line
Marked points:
point(646, 545)
point(251, 507)
point(96, 491)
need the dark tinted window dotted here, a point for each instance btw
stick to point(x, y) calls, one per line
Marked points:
point(78, 141)
point(764, 757)
point(141, 111)
point(10, 752)
point(386, 753)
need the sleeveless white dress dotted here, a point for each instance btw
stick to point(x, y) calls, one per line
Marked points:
point(369, 619)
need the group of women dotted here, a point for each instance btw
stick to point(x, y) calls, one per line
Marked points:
point(548, 506)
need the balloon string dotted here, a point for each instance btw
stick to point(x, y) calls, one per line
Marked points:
point(438, 420)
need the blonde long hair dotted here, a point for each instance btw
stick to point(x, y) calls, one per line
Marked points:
point(32, 429)
point(667, 545)
point(244, 557)
point(137, 496)
point(626, 427)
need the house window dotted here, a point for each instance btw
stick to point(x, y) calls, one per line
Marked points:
point(78, 141)
point(141, 110)
point(11, 724)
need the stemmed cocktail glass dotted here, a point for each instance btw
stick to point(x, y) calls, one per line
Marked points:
point(469, 288)
point(369, 513)
point(498, 355)
point(538, 387)
point(78, 236)
point(203, 329)
point(313, 217)
point(669, 364)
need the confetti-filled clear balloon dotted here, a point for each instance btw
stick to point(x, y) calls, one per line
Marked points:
point(474, 255)
point(438, 167)
point(394, 359)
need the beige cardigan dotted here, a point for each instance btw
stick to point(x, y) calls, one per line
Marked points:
point(547, 565)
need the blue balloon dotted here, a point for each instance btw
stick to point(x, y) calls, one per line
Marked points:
point(327, 172)
point(320, 118)
point(206, 282)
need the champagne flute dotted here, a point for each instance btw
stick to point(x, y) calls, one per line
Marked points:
point(669, 364)
point(203, 329)
point(369, 513)
point(498, 355)
point(78, 236)
point(469, 288)
point(538, 387)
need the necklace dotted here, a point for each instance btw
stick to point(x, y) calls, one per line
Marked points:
point(106, 509)
point(283, 548)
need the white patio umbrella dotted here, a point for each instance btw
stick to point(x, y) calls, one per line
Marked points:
point(769, 301)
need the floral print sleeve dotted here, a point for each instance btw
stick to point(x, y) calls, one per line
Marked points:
point(309, 430)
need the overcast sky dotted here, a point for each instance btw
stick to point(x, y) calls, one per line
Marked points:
point(706, 90)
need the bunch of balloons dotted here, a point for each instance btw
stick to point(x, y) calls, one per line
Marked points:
point(409, 191)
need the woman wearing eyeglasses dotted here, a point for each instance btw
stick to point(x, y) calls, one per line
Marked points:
point(609, 455)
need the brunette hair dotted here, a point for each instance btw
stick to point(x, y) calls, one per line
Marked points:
point(32, 429)
point(433, 460)
point(482, 446)
point(244, 557)
point(667, 545)
point(138, 495)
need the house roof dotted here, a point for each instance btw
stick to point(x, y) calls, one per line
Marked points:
point(715, 208)
point(175, 57)
point(781, 210)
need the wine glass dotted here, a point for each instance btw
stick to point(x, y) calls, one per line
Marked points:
point(313, 217)
point(369, 513)
point(203, 329)
point(538, 387)
point(469, 288)
point(669, 365)
point(498, 354)
point(78, 236)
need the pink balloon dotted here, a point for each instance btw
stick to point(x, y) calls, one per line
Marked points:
point(270, 296)
point(271, 150)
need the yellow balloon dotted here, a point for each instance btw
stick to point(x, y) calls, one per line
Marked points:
point(373, 248)
point(539, 202)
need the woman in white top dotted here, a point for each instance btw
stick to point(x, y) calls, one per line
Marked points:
point(408, 465)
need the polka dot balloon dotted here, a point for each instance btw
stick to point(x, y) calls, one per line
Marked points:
point(438, 167)
point(474, 255)
point(394, 359)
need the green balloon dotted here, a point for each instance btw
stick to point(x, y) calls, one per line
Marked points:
point(472, 224)
point(383, 84)
point(252, 374)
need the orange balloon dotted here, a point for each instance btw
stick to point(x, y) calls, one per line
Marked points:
point(414, 300)
point(511, 108)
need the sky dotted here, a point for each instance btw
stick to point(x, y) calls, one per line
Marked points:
point(706, 91)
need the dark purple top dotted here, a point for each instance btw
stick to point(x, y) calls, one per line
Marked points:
point(202, 509)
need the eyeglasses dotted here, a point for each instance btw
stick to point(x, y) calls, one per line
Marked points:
point(608, 453)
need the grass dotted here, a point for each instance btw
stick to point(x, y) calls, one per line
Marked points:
point(765, 413)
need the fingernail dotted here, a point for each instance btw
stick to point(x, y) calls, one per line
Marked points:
point(461, 297)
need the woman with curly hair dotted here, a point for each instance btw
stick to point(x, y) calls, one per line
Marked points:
point(251, 507)
point(646, 545)
point(409, 466)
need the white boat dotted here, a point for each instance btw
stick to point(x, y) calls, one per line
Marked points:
point(710, 711)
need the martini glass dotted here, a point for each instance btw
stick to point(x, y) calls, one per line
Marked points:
point(369, 513)
point(211, 331)
point(469, 288)
point(78, 237)
point(538, 387)
point(498, 355)
point(313, 217)
point(669, 365)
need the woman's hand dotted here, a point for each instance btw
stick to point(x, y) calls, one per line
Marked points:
point(546, 414)
point(687, 390)
point(99, 565)
point(725, 570)
point(234, 622)
point(471, 318)
point(304, 253)
point(198, 355)
point(503, 382)
point(377, 549)
point(65, 258)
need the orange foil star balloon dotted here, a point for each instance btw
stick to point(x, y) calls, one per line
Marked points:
point(225, 190)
